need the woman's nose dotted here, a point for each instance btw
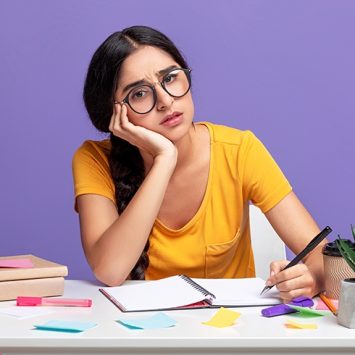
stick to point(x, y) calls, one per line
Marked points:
point(164, 100)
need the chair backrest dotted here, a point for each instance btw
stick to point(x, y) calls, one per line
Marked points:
point(267, 245)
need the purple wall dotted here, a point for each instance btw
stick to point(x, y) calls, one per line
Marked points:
point(284, 69)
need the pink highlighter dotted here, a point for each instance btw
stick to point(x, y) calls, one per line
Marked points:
point(40, 301)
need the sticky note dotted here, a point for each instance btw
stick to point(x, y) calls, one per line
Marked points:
point(224, 317)
point(297, 325)
point(321, 306)
point(66, 326)
point(16, 263)
point(27, 312)
point(306, 312)
point(159, 320)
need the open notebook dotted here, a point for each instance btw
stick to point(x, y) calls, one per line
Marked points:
point(182, 292)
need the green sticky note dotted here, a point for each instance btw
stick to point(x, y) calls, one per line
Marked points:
point(306, 312)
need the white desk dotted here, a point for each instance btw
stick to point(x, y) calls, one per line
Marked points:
point(252, 334)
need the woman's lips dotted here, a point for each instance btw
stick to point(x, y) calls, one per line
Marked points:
point(173, 119)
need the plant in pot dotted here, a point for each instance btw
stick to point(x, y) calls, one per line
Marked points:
point(339, 263)
point(346, 249)
point(346, 313)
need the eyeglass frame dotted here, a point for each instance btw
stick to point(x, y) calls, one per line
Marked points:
point(187, 72)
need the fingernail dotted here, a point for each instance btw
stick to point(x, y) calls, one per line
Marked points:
point(272, 273)
point(268, 283)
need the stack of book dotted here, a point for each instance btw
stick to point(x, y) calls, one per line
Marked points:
point(29, 275)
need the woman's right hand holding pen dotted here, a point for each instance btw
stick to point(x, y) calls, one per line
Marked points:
point(295, 281)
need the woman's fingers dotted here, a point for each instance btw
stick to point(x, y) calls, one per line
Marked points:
point(115, 118)
point(120, 124)
point(145, 139)
point(124, 118)
point(299, 288)
point(292, 282)
point(275, 268)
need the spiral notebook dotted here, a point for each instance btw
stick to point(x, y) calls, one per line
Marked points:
point(183, 292)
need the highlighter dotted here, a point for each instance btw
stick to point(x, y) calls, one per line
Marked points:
point(277, 310)
point(41, 301)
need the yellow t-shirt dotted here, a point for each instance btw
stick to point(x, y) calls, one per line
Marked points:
point(215, 243)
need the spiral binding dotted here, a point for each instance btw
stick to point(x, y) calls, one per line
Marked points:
point(196, 286)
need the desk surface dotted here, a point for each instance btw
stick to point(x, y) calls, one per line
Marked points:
point(252, 334)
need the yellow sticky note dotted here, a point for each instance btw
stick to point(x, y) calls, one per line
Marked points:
point(297, 325)
point(223, 318)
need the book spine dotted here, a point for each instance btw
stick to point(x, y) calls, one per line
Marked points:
point(196, 286)
point(33, 273)
point(51, 286)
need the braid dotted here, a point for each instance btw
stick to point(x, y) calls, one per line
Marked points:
point(127, 171)
point(126, 163)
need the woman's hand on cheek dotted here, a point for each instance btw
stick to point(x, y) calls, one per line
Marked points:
point(292, 282)
point(151, 142)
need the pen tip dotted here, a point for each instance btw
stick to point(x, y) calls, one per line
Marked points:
point(265, 289)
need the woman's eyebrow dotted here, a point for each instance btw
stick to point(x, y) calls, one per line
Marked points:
point(132, 85)
point(142, 81)
point(166, 70)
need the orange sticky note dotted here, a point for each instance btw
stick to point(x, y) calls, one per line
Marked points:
point(223, 318)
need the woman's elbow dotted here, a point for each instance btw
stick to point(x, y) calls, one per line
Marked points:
point(109, 278)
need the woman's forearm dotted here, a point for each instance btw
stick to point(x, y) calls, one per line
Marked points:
point(116, 252)
point(314, 262)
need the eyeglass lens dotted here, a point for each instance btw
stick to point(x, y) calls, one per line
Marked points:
point(176, 83)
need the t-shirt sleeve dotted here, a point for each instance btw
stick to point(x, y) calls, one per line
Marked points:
point(263, 181)
point(91, 172)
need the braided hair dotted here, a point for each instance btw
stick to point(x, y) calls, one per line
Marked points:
point(126, 163)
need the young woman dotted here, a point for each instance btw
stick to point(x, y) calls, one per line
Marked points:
point(165, 195)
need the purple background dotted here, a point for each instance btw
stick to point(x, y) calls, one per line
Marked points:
point(284, 69)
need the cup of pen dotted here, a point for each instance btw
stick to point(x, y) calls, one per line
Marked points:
point(336, 269)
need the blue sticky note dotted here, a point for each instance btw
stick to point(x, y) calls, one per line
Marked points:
point(65, 326)
point(159, 320)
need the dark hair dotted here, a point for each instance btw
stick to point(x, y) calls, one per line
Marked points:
point(126, 163)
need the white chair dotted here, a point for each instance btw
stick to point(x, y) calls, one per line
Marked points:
point(267, 245)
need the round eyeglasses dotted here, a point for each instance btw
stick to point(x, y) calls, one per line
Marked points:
point(142, 99)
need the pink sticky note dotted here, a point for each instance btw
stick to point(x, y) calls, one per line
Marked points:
point(321, 306)
point(16, 263)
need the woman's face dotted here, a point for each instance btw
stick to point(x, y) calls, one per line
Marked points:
point(171, 116)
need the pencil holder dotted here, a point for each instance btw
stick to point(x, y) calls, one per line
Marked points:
point(336, 269)
point(346, 308)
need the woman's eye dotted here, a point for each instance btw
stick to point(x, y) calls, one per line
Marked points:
point(169, 78)
point(139, 94)
point(136, 95)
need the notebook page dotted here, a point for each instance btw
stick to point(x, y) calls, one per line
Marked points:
point(239, 292)
point(165, 293)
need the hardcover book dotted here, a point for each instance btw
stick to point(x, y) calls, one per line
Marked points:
point(37, 268)
point(47, 286)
